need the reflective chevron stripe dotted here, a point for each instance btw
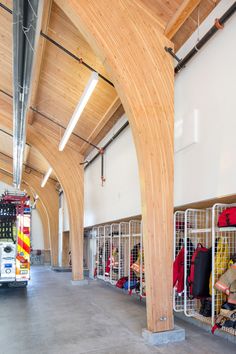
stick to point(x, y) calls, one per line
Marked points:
point(23, 248)
point(23, 242)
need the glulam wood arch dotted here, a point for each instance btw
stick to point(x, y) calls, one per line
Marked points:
point(45, 221)
point(129, 40)
point(49, 198)
point(66, 165)
point(42, 213)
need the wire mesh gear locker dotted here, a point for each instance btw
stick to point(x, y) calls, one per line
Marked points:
point(136, 279)
point(96, 236)
point(112, 267)
point(197, 231)
point(201, 227)
point(224, 239)
point(119, 254)
point(124, 250)
point(101, 252)
point(179, 223)
point(107, 259)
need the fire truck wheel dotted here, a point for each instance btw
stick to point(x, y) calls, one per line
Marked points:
point(3, 285)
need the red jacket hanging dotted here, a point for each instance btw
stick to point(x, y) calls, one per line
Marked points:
point(178, 272)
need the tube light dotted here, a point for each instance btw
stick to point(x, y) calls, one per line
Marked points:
point(46, 177)
point(79, 109)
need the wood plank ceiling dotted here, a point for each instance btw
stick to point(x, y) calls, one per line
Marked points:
point(62, 77)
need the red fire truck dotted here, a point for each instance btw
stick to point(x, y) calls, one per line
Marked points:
point(15, 221)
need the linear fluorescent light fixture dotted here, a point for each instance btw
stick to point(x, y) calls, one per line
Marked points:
point(46, 177)
point(79, 109)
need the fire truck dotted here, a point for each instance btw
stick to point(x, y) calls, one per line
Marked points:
point(15, 221)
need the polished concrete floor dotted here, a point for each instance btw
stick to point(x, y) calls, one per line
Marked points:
point(53, 316)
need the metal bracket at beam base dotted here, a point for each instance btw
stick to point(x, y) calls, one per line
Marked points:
point(80, 282)
point(170, 50)
point(157, 338)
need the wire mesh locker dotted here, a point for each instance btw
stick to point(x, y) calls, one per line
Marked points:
point(124, 250)
point(92, 253)
point(107, 251)
point(136, 279)
point(95, 235)
point(142, 291)
point(178, 293)
point(224, 239)
point(113, 269)
point(120, 256)
point(198, 231)
point(101, 253)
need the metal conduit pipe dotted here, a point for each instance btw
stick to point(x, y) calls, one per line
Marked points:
point(107, 144)
point(26, 21)
point(219, 24)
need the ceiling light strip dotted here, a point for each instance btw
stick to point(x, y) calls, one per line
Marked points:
point(46, 177)
point(79, 109)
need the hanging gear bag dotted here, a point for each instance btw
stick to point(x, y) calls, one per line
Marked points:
point(121, 282)
point(178, 265)
point(200, 270)
point(227, 217)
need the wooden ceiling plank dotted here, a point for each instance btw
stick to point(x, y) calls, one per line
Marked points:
point(6, 49)
point(180, 16)
point(102, 122)
point(106, 129)
point(5, 165)
point(199, 14)
point(39, 55)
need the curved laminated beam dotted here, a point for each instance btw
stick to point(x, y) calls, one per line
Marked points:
point(130, 43)
point(66, 165)
point(49, 197)
point(45, 221)
point(43, 214)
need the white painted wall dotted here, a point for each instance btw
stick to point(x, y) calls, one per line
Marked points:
point(60, 236)
point(205, 161)
point(37, 241)
point(63, 224)
point(63, 213)
point(120, 196)
point(208, 84)
point(66, 225)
